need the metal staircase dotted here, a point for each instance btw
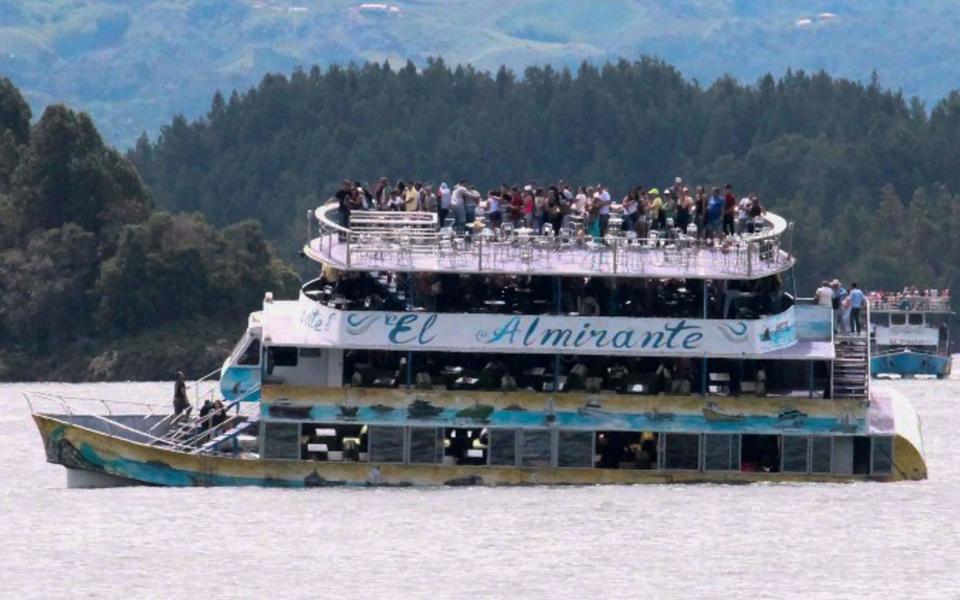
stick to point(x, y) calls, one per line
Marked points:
point(850, 377)
point(195, 434)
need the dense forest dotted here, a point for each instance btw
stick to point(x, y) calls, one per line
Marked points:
point(868, 177)
point(114, 266)
point(87, 264)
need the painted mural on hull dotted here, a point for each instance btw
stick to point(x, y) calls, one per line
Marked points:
point(79, 448)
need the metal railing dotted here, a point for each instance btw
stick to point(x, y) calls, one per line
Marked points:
point(393, 235)
point(68, 406)
point(910, 303)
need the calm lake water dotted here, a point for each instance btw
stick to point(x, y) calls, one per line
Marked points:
point(761, 541)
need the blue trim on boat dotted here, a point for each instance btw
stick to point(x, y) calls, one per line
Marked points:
point(908, 363)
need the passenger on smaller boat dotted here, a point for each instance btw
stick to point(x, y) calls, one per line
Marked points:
point(180, 402)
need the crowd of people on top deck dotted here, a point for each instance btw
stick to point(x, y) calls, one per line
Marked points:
point(911, 298)
point(699, 212)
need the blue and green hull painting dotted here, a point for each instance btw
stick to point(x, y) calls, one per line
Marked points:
point(77, 447)
point(910, 364)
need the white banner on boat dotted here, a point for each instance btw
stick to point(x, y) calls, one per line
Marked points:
point(324, 326)
point(907, 335)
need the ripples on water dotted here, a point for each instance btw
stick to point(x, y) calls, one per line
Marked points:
point(762, 540)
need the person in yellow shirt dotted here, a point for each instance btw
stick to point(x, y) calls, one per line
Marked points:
point(411, 198)
point(656, 206)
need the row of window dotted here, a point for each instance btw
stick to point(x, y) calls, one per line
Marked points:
point(708, 452)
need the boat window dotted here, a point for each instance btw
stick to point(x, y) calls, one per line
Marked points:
point(760, 453)
point(625, 450)
point(898, 318)
point(424, 445)
point(466, 446)
point(721, 452)
point(536, 448)
point(682, 451)
point(386, 444)
point(251, 354)
point(842, 460)
point(795, 453)
point(915, 318)
point(282, 356)
point(881, 319)
point(333, 442)
point(503, 447)
point(820, 454)
point(575, 449)
point(281, 440)
point(861, 455)
point(882, 456)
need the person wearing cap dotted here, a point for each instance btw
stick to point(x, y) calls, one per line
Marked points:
point(677, 187)
point(839, 294)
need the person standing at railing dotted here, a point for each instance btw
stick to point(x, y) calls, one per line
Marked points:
point(729, 210)
point(344, 198)
point(444, 209)
point(839, 295)
point(857, 302)
point(458, 201)
point(824, 295)
point(756, 214)
point(180, 403)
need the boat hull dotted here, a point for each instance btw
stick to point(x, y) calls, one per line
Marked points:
point(906, 363)
point(77, 447)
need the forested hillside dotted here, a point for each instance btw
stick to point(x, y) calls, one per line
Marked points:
point(133, 65)
point(868, 177)
point(88, 266)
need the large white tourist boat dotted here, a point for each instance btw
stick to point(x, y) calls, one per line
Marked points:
point(423, 356)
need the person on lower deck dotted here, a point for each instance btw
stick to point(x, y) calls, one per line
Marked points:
point(180, 402)
point(857, 300)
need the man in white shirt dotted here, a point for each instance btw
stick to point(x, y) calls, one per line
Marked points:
point(824, 295)
point(604, 210)
point(743, 213)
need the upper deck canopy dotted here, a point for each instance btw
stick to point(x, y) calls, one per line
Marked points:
point(411, 241)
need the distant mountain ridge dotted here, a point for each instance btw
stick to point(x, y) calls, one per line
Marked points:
point(133, 65)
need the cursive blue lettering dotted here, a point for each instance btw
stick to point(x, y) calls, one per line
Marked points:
point(402, 325)
point(623, 339)
point(507, 332)
point(692, 341)
point(527, 338)
point(676, 329)
point(427, 326)
point(556, 337)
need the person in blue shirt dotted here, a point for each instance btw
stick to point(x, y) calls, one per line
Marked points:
point(839, 293)
point(857, 300)
point(714, 213)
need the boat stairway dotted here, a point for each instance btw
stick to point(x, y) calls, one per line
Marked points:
point(851, 367)
point(190, 431)
point(228, 435)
